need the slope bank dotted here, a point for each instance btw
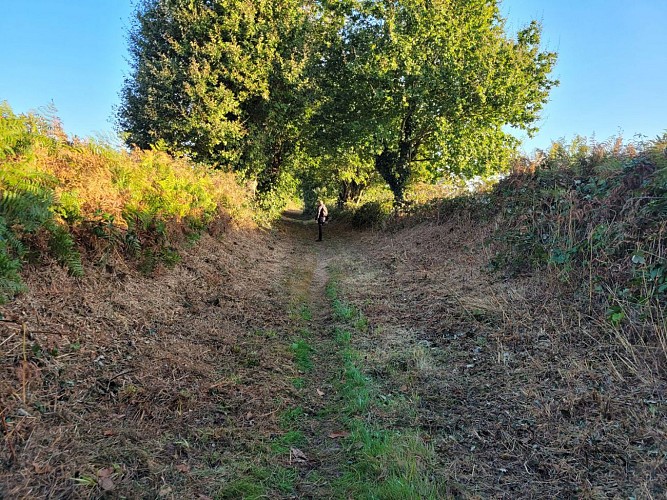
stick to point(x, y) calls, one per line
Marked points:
point(122, 382)
point(529, 326)
point(520, 392)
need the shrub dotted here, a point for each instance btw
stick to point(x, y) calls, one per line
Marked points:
point(139, 201)
point(372, 214)
point(594, 214)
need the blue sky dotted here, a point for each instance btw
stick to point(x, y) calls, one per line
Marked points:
point(612, 63)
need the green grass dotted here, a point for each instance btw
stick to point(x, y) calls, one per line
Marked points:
point(356, 386)
point(282, 444)
point(300, 311)
point(291, 417)
point(387, 464)
point(343, 310)
point(343, 337)
point(302, 358)
point(255, 482)
point(242, 488)
point(298, 382)
point(305, 313)
point(331, 289)
point(381, 463)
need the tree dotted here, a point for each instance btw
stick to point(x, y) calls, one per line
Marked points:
point(219, 81)
point(344, 175)
point(434, 81)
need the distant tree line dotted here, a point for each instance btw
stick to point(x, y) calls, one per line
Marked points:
point(333, 93)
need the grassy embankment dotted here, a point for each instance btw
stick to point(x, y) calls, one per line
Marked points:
point(60, 198)
point(529, 322)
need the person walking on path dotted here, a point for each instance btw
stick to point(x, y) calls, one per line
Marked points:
point(321, 218)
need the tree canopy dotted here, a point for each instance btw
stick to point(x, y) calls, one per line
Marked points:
point(431, 81)
point(412, 88)
point(217, 80)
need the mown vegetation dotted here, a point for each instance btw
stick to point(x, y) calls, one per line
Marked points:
point(541, 307)
point(59, 198)
point(592, 214)
point(381, 462)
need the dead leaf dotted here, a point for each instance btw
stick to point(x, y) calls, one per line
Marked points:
point(164, 491)
point(319, 392)
point(102, 473)
point(339, 434)
point(106, 483)
point(297, 455)
point(109, 432)
point(404, 388)
point(248, 415)
point(184, 468)
point(42, 469)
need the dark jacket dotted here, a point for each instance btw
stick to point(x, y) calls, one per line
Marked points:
point(322, 214)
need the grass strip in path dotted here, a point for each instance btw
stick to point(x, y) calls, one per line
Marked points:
point(379, 462)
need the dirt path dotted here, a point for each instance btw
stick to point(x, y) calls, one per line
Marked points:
point(271, 366)
point(320, 458)
point(360, 438)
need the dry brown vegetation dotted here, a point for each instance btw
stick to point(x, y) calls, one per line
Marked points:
point(130, 384)
point(521, 381)
point(521, 393)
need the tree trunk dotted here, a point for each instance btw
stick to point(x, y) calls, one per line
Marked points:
point(349, 191)
point(394, 165)
point(268, 179)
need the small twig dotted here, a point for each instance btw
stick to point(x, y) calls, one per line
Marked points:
point(7, 339)
point(270, 413)
point(125, 372)
point(3, 320)
point(25, 361)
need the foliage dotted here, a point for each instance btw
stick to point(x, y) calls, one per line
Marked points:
point(594, 215)
point(372, 214)
point(220, 82)
point(141, 202)
point(434, 82)
point(404, 91)
point(270, 206)
point(345, 177)
point(26, 198)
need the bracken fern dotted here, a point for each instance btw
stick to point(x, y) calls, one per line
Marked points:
point(136, 202)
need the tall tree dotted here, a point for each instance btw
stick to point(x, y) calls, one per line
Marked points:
point(218, 80)
point(433, 81)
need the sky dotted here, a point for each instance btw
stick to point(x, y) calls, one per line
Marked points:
point(612, 63)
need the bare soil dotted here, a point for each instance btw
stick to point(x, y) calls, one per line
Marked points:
point(177, 385)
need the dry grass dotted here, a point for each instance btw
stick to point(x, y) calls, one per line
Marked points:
point(145, 385)
point(523, 392)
